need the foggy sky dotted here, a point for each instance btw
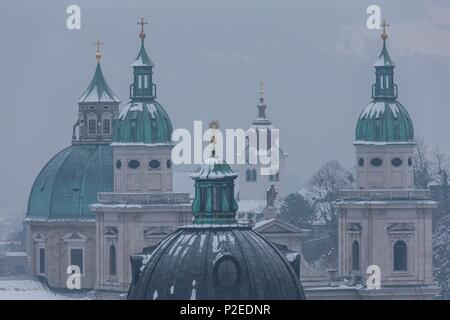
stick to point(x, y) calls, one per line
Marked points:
point(315, 58)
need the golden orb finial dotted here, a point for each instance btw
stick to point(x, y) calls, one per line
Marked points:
point(384, 34)
point(142, 33)
point(98, 54)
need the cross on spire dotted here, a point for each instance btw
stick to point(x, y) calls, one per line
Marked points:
point(98, 54)
point(384, 25)
point(142, 33)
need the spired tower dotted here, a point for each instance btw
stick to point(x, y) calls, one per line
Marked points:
point(252, 185)
point(60, 226)
point(142, 210)
point(386, 222)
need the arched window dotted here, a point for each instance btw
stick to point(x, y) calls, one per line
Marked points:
point(112, 260)
point(400, 256)
point(355, 256)
point(254, 175)
point(248, 175)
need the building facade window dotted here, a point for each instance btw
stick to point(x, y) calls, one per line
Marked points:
point(254, 175)
point(248, 175)
point(355, 256)
point(41, 260)
point(112, 260)
point(76, 258)
point(107, 126)
point(274, 177)
point(92, 126)
point(400, 256)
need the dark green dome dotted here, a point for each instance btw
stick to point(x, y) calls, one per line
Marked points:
point(214, 262)
point(143, 122)
point(384, 121)
point(70, 181)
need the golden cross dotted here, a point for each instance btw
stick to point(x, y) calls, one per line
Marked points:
point(261, 88)
point(142, 23)
point(98, 54)
point(384, 25)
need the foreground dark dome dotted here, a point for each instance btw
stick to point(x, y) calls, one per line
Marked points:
point(203, 262)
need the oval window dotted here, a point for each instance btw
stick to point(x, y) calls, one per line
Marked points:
point(169, 164)
point(396, 162)
point(361, 162)
point(376, 162)
point(154, 164)
point(226, 272)
point(409, 162)
point(133, 164)
point(118, 164)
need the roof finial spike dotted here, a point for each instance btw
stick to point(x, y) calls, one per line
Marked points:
point(98, 54)
point(384, 34)
point(214, 125)
point(142, 33)
point(261, 91)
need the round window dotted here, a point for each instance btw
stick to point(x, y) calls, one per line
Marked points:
point(118, 164)
point(409, 162)
point(376, 162)
point(361, 162)
point(169, 164)
point(396, 162)
point(154, 164)
point(226, 272)
point(133, 164)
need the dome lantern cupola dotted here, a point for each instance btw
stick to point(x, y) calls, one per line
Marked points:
point(142, 87)
point(214, 201)
point(384, 87)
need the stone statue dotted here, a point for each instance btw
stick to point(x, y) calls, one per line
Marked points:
point(271, 195)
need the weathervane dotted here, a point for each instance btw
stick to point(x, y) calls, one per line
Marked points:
point(142, 33)
point(98, 54)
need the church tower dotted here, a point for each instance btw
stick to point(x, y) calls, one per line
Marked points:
point(142, 144)
point(142, 210)
point(252, 184)
point(386, 222)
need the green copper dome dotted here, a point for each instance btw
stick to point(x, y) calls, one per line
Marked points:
point(69, 183)
point(384, 119)
point(143, 122)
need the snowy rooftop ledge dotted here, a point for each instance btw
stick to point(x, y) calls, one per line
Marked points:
point(134, 144)
point(382, 143)
point(385, 194)
point(123, 199)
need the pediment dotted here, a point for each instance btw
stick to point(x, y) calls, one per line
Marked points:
point(277, 226)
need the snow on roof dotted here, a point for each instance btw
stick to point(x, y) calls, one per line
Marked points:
point(251, 205)
point(376, 109)
point(16, 254)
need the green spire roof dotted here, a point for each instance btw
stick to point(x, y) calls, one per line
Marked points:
point(142, 60)
point(98, 90)
point(384, 60)
point(214, 201)
point(384, 119)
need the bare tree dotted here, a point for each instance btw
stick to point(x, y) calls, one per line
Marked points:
point(422, 165)
point(323, 188)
